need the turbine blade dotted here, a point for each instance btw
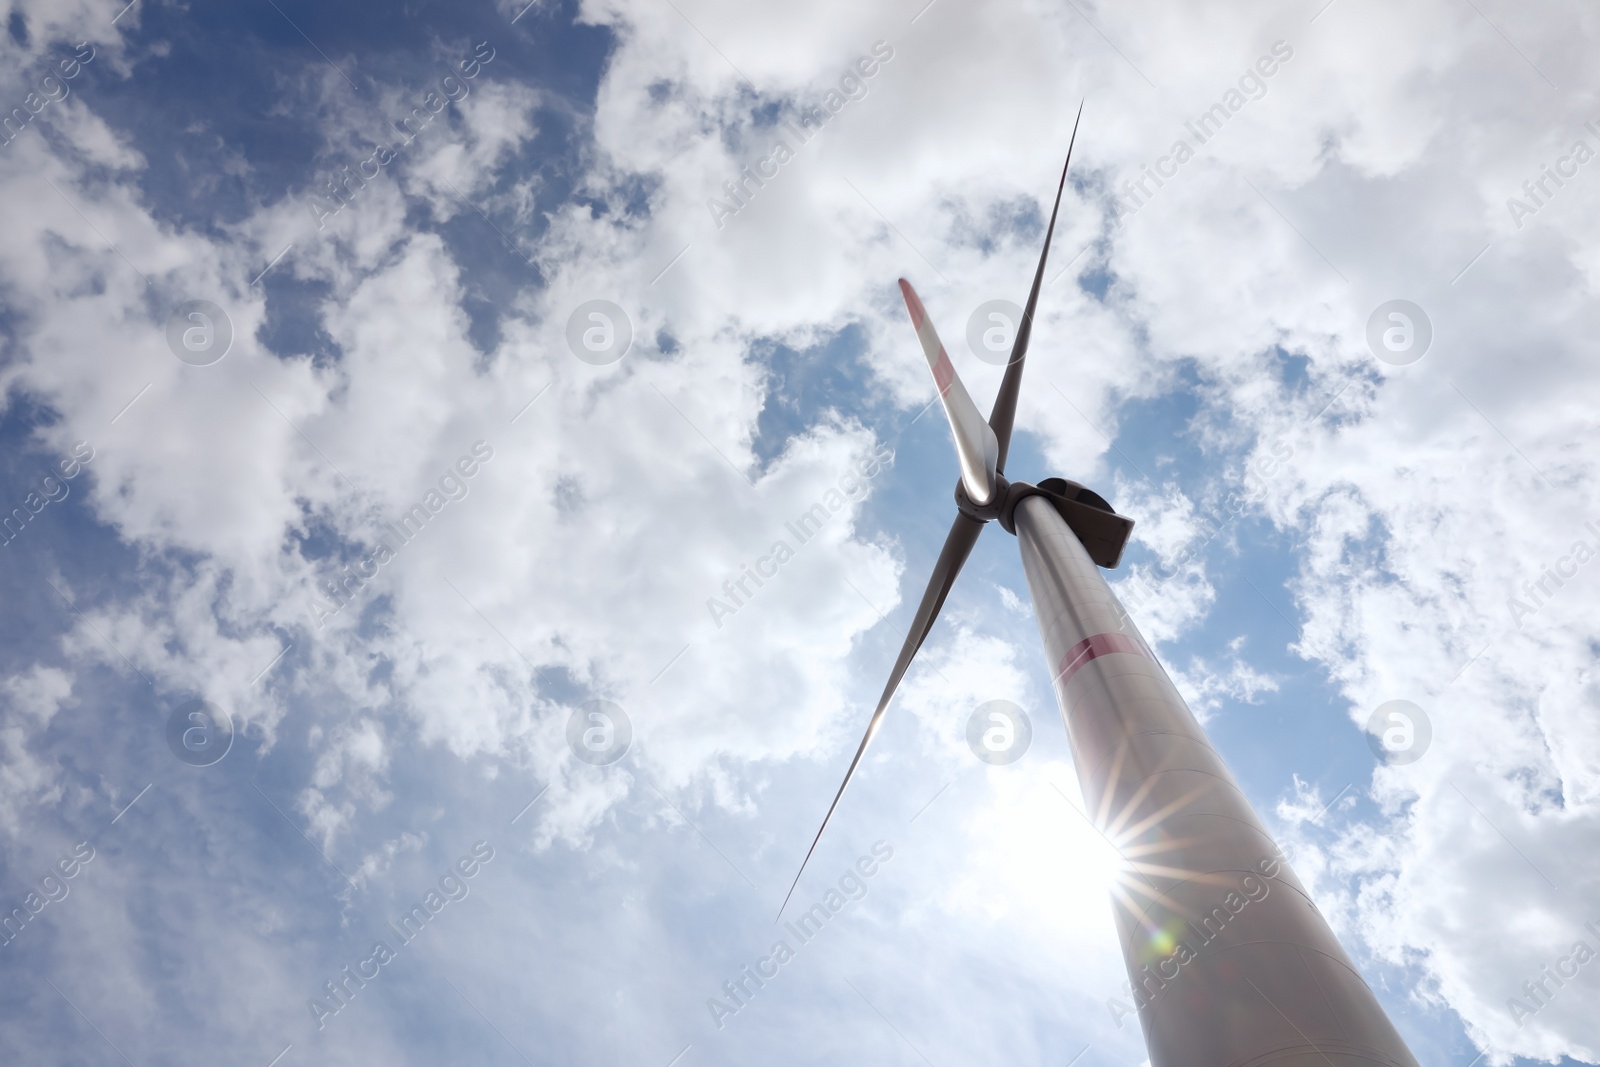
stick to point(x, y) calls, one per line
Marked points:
point(976, 446)
point(1004, 413)
point(957, 546)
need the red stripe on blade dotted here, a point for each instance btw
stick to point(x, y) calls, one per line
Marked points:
point(1098, 645)
point(913, 304)
point(943, 372)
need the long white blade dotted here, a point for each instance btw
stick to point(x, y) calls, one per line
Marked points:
point(957, 547)
point(976, 445)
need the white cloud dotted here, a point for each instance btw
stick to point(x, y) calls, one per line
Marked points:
point(31, 700)
point(1204, 686)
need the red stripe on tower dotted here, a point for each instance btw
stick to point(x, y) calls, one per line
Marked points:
point(1098, 645)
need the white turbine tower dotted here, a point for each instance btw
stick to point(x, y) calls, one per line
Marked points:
point(1229, 961)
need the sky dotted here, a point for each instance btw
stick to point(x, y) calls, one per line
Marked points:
point(392, 397)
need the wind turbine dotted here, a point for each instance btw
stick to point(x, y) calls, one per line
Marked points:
point(1230, 964)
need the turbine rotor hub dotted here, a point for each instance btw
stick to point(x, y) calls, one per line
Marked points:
point(997, 500)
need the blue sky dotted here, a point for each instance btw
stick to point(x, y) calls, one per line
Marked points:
point(382, 751)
